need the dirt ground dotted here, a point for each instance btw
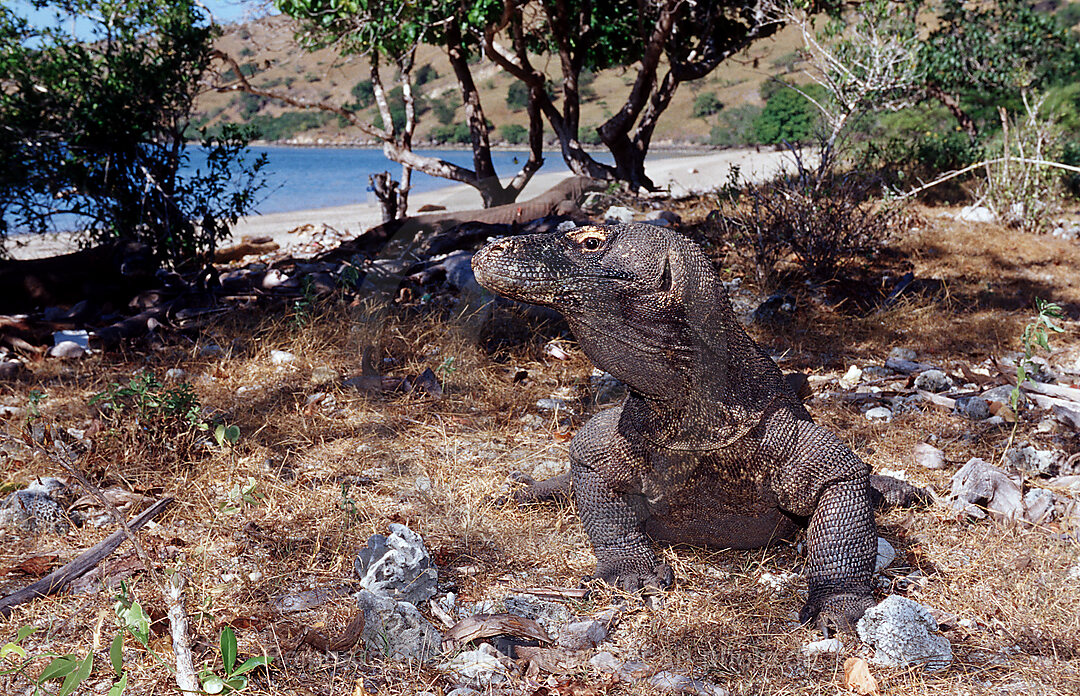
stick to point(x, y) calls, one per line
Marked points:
point(318, 468)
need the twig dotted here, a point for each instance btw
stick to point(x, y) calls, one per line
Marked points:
point(984, 163)
point(59, 578)
point(178, 624)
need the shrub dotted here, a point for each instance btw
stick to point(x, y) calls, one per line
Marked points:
point(788, 116)
point(706, 104)
point(825, 223)
point(425, 73)
point(517, 96)
point(445, 109)
point(590, 135)
point(454, 133)
point(735, 126)
point(514, 133)
point(363, 93)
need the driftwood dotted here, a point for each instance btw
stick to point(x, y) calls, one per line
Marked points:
point(56, 580)
point(561, 199)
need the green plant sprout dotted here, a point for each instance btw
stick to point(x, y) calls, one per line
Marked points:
point(1035, 336)
point(70, 668)
point(234, 678)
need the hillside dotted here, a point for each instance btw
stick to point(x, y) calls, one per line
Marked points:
point(267, 49)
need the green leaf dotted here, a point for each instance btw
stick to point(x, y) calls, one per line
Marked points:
point(25, 631)
point(232, 434)
point(236, 683)
point(250, 664)
point(136, 621)
point(118, 688)
point(116, 653)
point(60, 667)
point(78, 676)
point(9, 648)
point(228, 649)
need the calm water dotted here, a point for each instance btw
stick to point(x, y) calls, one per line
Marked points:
point(299, 178)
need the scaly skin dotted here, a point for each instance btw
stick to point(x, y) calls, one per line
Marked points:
point(711, 447)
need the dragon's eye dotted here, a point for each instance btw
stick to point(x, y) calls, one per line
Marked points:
point(588, 238)
point(591, 243)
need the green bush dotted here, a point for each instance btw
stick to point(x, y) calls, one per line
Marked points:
point(589, 135)
point(706, 104)
point(517, 96)
point(363, 93)
point(424, 74)
point(735, 126)
point(514, 133)
point(445, 109)
point(288, 124)
point(788, 116)
point(452, 133)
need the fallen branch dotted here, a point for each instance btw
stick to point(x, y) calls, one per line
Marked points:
point(997, 160)
point(59, 578)
point(186, 680)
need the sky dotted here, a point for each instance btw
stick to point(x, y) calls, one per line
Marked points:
point(224, 11)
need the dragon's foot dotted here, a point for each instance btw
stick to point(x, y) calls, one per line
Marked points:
point(836, 613)
point(630, 574)
point(888, 492)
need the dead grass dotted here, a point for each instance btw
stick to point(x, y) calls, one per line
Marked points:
point(334, 471)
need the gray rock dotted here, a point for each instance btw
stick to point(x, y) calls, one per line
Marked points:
point(1038, 506)
point(175, 374)
point(829, 646)
point(552, 616)
point(933, 381)
point(778, 308)
point(397, 566)
point(898, 353)
point(907, 403)
point(39, 507)
point(606, 663)
point(481, 667)
point(10, 369)
point(876, 372)
point(675, 683)
point(1003, 395)
point(396, 630)
point(582, 635)
point(886, 554)
point(459, 273)
point(900, 632)
point(324, 375)
point(929, 457)
point(67, 350)
point(979, 484)
point(973, 407)
point(618, 214)
point(281, 357)
point(1036, 462)
point(211, 350)
point(553, 404)
point(879, 413)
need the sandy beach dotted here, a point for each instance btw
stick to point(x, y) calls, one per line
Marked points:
point(680, 175)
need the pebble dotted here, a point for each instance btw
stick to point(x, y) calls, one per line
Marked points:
point(886, 554)
point(582, 635)
point(175, 374)
point(67, 350)
point(933, 381)
point(976, 213)
point(9, 369)
point(900, 629)
point(552, 404)
point(618, 214)
point(929, 457)
point(324, 375)
point(899, 353)
point(973, 407)
point(879, 413)
point(851, 377)
point(281, 357)
point(822, 647)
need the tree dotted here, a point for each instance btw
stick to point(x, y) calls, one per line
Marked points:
point(789, 116)
point(391, 31)
point(706, 104)
point(95, 128)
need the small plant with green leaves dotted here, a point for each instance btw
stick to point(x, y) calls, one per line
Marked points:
point(33, 405)
point(303, 307)
point(241, 494)
point(233, 678)
point(1036, 335)
point(73, 670)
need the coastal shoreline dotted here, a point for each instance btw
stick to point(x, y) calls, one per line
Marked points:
point(681, 175)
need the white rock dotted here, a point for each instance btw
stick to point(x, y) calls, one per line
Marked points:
point(976, 213)
point(396, 630)
point(175, 374)
point(67, 350)
point(582, 635)
point(273, 278)
point(281, 357)
point(851, 377)
point(675, 683)
point(933, 381)
point(979, 484)
point(928, 456)
point(900, 632)
point(618, 213)
point(397, 566)
point(481, 667)
point(822, 647)
point(880, 414)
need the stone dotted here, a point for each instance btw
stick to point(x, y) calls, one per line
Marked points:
point(851, 377)
point(582, 635)
point(829, 646)
point(428, 383)
point(879, 413)
point(281, 357)
point(1003, 395)
point(1035, 462)
point(39, 507)
point(900, 631)
point(973, 407)
point(1038, 506)
point(274, 278)
point(175, 374)
point(211, 350)
point(976, 213)
point(672, 682)
point(396, 630)
point(67, 350)
point(606, 663)
point(979, 484)
point(886, 554)
point(552, 616)
point(876, 372)
point(397, 566)
point(324, 375)
point(933, 381)
point(10, 369)
point(899, 353)
point(778, 308)
point(929, 457)
point(605, 388)
point(553, 404)
point(481, 667)
point(617, 214)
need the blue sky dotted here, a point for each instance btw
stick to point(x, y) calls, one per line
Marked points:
point(225, 11)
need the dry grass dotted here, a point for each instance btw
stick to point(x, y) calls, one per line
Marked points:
point(333, 473)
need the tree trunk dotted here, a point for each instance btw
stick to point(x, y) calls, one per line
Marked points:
point(950, 102)
point(388, 192)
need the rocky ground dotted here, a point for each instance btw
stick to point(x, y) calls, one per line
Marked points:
point(336, 443)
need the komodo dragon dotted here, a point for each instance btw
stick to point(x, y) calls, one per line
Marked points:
point(711, 447)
